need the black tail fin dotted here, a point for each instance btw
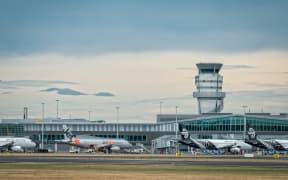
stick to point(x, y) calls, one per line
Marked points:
point(184, 133)
point(251, 134)
point(67, 133)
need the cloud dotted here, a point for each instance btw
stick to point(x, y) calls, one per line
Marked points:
point(7, 92)
point(30, 83)
point(77, 28)
point(269, 85)
point(272, 93)
point(65, 91)
point(106, 94)
point(71, 92)
point(232, 67)
point(5, 86)
point(158, 100)
point(274, 72)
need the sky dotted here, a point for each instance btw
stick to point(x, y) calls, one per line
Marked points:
point(97, 55)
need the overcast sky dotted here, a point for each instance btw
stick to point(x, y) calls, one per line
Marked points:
point(96, 55)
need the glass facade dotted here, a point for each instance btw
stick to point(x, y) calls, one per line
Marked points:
point(16, 130)
point(236, 123)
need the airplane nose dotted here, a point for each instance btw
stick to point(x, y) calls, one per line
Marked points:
point(33, 144)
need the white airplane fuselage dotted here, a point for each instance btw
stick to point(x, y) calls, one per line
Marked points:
point(99, 144)
point(94, 143)
point(17, 144)
point(224, 143)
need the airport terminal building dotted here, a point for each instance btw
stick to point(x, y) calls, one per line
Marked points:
point(209, 123)
point(201, 126)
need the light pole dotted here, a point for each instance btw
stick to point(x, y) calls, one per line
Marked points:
point(244, 123)
point(117, 118)
point(42, 127)
point(176, 130)
point(57, 108)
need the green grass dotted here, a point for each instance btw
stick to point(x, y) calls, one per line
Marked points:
point(149, 169)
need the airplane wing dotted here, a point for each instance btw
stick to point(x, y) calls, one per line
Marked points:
point(6, 144)
point(104, 146)
point(193, 143)
point(283, 143)
point(278, 144)
point(62, 141)
point(222, 145)
point(265, 144)
point(285, 146)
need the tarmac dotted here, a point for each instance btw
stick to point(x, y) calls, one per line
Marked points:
point(141, 160)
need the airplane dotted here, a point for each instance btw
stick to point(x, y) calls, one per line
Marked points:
point(274, 144)
point(233, 146)
point(105, 145)
point(16, 144)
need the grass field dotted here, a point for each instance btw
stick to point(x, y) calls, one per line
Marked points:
point(136, 172)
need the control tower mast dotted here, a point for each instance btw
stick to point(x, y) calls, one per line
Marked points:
point(209, 88)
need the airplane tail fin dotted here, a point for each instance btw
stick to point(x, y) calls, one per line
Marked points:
point(67, 133)
point(251, 134)
point(184, 133)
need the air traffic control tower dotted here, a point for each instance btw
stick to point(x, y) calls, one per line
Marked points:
point(209, 88)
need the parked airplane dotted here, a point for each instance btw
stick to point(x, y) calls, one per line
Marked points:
point(274, 144)
point(106, 145)
point(233, 146)
point(279, 144)
point(16, 144)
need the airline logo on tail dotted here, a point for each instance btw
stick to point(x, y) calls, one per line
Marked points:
point(67, 133)
point(251, 133)
point(184, 133)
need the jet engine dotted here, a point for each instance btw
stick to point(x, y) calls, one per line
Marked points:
point(115, 148)
point(17, 149)
point(235, 150)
